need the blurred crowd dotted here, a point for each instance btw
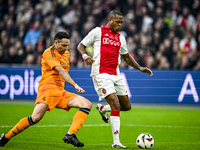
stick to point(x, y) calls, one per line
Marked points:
point(160, 34)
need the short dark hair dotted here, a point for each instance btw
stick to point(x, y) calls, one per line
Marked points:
point(113, 14)
point(60, 35)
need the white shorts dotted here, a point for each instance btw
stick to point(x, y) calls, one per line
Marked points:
point(106, 84)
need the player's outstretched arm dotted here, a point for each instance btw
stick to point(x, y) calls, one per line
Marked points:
point(65, 75)
point(131, 61)
point(86, 58)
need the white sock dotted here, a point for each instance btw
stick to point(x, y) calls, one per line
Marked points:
point(68, 132)
point(106, 108)
point(115, 125)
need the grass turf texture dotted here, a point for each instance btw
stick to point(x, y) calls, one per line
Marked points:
point(173, 127)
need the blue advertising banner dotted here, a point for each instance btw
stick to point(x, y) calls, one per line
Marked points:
point(168, 87)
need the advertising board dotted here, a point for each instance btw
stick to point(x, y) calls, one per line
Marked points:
point(169, 87)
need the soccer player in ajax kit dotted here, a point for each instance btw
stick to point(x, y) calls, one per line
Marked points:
point(108, 46)
point(51, 93)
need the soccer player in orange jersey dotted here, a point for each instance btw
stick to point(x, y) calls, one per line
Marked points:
point(51, 93)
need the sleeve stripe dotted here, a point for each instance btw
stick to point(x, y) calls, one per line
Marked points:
point(52, 53)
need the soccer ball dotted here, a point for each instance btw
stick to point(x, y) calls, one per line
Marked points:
point(145, 141)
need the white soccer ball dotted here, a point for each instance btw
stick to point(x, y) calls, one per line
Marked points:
point(145, 141)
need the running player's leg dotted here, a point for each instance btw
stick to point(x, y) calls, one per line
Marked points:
point(125, 103)
point(105, 87)
point(120, 103)
point(79, 118)
point(114, 103)
point(24, 123)
point(39, 111)
point(103, 109)
point(84, 106)
point(117, 104)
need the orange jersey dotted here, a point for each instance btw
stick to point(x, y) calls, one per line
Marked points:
point(50, 77)
point(51, 88)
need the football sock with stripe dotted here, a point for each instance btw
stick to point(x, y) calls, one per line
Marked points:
point(115, 125)
point(78, 120)
point(19, 127)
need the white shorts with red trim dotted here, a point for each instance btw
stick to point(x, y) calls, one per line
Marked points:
point(106, 84)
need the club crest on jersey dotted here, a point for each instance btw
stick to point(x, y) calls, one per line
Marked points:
point(104, 91)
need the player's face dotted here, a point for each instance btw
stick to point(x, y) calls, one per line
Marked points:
point(62, 45)
point(116, 23)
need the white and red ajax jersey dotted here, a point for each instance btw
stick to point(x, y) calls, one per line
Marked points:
point(107, 47)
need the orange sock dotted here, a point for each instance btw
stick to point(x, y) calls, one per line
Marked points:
point(19, 127)
point(78, 120)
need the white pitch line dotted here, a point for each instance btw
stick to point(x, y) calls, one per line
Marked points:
point(103, 125)
point(160, 126)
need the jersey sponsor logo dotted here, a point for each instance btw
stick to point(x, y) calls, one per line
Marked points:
point(111, 42)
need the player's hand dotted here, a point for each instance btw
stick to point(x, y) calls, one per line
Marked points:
point(89, 60)
point(146, 70)
point(79, 89)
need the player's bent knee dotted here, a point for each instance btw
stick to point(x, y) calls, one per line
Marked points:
point(36, 118)
point(129, 107)
point(114, 105)
point(79, 102)
point(87, 104)
point(126, 108)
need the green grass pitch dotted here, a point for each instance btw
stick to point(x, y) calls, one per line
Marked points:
point(174, 127)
